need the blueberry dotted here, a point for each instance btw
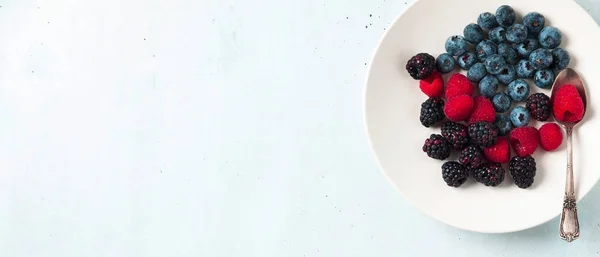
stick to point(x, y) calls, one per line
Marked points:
point(501, 102)
point(525, 48)
point(519, 116)
point(507, 75)
point(560, 59)
point(494, 64)
point(540, 59)
point(473, 33)
point(516, 33)
point(543, 78)
point(503, 123)
point(550, 37)
point(476, 72)
point(488, 86)
point(484, 49)
point(518, 90)
point(505, 16)
point(467, 60)
point(524, 70)
point(487, 20)
point(445, 63)
point(456, 45)
point(506, 51)
point(497, 34)
point(534, 22)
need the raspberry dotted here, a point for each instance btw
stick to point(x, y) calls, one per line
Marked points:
point(538, 105)
point(483, 110)
point(524, 140)
point(457, 85)
point(432, 86)
point(567, 106)
point(499, 152)
point(459, 108)
point(471, 157)
point(551, 136)
point(456, 134)
point(420, 66)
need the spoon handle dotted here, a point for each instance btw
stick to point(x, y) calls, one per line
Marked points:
point(569, 223)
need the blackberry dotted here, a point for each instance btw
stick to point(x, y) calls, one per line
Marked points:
point(471, 157)
point(454, 174)
point(483, 133)
point(489, 174)
point(420, 66)
point(539, 106)
point(522, 169)
point(437, 147)
point(432, 111)
point(456, 134)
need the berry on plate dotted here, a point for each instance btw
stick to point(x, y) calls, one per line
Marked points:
point(445, 63)
point(483, 110)
point(471, 157)
point(437, 147)
point(501, 102)
point(476, 72)
point(509, 54)
point(550, 37)
point(432, 112)
point(466, 60)
point(484, 49)
point(488, 86)
point(551, 136)
point(518, 90)
point(540, 59)
point(567, 106)
point(507, 75)
point(456, 45)
point(543, 78)
point(503, 124)
point(516, 33)
point(560, 59)
point(459, 108)
point(495, 63)
point(489, 174)
point(497, 34)
point(524, 70)
point(505, 16)
point(432, 86)
point(454, 174)
point(524, 140)
point(539, 106)
point(519, 116)
point(525, 48)
point(534, 22)
point(499, 152)
point(483, 133)
point(420, 66)
point(457, 85)
point(473, 33)
point(522, 170)
point(487, 20)
point(456, 134)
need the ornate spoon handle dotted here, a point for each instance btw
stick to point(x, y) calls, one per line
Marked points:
point(569, 223)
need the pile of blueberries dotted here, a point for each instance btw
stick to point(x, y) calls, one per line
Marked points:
point(511, 53)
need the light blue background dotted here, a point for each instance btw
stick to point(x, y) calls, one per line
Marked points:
point(210, 128)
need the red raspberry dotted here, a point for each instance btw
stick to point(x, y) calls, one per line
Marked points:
point(551, 136)
point(457, 85)
point(524, 140)
point(567, 105)
point(459, 108)
point(483, 110)
point(432, 86)
point(498, 153)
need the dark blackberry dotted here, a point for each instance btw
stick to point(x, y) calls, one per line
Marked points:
point(522, 169)
point(454, 174)
point(437, 147)
point(456, 134)
point(432, 111)
point(483, 133)
point(489, 174)
point(539, 106)
point(420, 66)
point(471, 157)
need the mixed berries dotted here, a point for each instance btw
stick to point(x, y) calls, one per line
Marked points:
point(487, 111)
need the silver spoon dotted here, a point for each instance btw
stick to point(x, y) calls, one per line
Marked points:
point(569, 223)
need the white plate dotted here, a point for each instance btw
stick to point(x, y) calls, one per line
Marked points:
point(392, 105)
